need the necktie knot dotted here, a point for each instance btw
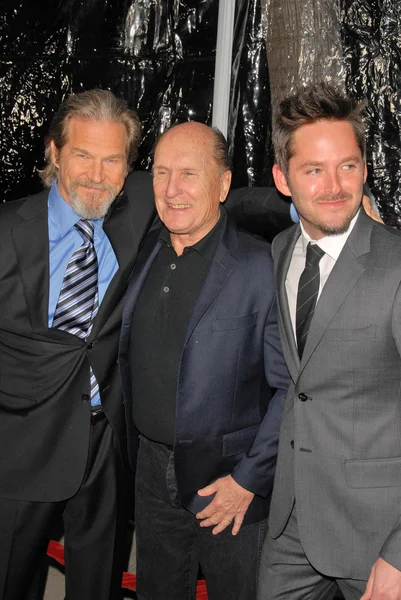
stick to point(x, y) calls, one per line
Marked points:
point(313, 255)
point(86, 229)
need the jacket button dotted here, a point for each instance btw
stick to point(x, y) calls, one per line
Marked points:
point(292, 444)
point(90, 345)
point(303, 397)
point(85, 397)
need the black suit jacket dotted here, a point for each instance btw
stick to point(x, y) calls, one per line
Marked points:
point(44, 373)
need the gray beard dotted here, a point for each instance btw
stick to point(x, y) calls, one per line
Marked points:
point(91, 210)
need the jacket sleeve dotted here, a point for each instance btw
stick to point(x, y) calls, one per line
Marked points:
point(260, 210)
point(255, 471)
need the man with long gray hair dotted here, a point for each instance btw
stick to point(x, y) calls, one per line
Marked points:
point(66, 257)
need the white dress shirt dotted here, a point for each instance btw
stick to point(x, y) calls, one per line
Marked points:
point(332, 246)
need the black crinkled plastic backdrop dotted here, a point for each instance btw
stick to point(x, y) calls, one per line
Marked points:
point(160, 54)
point(371, 34)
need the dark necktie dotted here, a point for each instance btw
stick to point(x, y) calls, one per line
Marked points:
point(308, 289)
point(78, 300)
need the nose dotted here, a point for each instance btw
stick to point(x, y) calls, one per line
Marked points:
point(332, 182)
point(96, 171)
point(173, 186)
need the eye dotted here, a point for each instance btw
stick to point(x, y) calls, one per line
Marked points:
point(349, 167)
point(314, 171)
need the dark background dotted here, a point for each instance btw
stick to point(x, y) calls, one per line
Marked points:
point(159, 56)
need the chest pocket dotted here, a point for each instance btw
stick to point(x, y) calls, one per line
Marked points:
point(235, 322)
point(351, 335)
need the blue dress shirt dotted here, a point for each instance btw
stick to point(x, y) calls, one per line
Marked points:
point(64, 239)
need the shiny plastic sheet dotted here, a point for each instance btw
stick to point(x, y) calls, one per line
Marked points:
point(371, 32)
point(158, 55)
point(303, 41)
point(249, 132)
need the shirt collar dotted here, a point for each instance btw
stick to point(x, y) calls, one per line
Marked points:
point(206, 246)
point(331, 244)
point(62, 216)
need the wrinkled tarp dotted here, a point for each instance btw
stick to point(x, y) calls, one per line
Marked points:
point(159, 55)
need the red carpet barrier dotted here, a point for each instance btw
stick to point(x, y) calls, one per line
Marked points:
point(56, 551)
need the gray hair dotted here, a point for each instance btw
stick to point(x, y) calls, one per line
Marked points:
point(92, 105)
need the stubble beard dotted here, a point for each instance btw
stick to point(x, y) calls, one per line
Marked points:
point(328, 228)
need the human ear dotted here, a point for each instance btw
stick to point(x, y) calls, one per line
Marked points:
point(281, 181)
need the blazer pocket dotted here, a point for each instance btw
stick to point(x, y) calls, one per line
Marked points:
point(235, 322)
point(350, 335)
point(239, 442)
point(380, 472)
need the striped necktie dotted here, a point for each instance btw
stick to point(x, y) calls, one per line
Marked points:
point(78, 300)
point(308, 290)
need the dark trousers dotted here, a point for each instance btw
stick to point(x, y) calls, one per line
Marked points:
point(286, 573)
point(94, 527)
point(171, 545)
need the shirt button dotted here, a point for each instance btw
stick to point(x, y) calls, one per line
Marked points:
point(166, 289)
point(303, 397)
point(85, 397)
point(173, 266)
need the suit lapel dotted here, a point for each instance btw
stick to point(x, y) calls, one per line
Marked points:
point(33, 258)
point(122, 234)
point(145, 260)
point(346, 272)
point(223, 264)
point(283, 261)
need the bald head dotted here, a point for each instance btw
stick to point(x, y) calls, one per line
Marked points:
point(191, 178)
point(210, 136)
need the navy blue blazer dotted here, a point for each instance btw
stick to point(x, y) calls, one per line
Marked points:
point(232, 379)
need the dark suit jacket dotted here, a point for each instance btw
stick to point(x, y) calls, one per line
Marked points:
point(340, 442)
point(44, 373)
point(227, 419)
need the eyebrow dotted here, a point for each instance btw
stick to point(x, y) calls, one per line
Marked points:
point(83, 151)
point(187, 168)
point(318, 163)
point(312, 163)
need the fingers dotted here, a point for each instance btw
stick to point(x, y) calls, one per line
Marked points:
point(238, 520)
point(216, 518)
point(224, 523)
point(369, 587)
point(221, 521)
point(207, 491)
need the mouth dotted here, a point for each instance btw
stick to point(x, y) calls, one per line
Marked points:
point(333, 201)
point(179, 206)
point(92, 189)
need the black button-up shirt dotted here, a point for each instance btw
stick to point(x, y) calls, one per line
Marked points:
point(159, 328)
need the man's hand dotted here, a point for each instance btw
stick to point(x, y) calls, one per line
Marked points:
point(384, 582)
point(230, 503)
